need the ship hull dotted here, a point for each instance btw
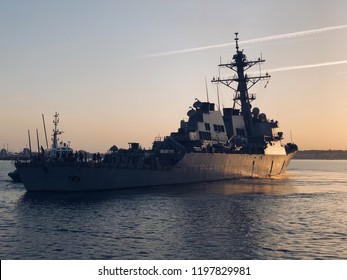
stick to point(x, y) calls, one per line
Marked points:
point(193, 168)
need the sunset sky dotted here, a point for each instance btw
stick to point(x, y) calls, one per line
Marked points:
point(127, 71)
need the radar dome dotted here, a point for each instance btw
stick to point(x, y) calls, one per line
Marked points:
point(255, 111)
point(191, 112)
point(262, 117)
point(197, 104)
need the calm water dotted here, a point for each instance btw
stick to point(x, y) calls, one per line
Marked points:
point(303, 216)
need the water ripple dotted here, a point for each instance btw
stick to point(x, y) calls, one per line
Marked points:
point(303, 216)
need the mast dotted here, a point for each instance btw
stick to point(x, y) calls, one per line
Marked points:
point(29, 143)
point(56, 131)
point(208, 100)
point(244, 82)
point(38, 141)
point(44, 126)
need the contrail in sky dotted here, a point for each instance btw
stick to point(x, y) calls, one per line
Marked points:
point(299, 67)
point(287, 68)
point(257, 40)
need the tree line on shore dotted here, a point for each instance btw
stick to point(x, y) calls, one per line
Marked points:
point(321, 154)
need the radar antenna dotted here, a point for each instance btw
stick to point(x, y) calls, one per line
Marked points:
point(56, 131)
point(236, 40)
point(244, 81)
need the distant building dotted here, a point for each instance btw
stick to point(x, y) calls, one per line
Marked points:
point(26, 152)
point(3, 153)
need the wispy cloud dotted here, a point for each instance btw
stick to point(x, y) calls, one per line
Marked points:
point(256, 40)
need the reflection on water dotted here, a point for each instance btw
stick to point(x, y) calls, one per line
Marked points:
point(302, 216)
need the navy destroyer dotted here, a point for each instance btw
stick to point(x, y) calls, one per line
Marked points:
point(211, 145)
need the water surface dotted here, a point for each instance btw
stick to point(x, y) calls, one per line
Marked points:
point(303, 216)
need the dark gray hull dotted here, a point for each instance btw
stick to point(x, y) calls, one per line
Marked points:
point(193, 168)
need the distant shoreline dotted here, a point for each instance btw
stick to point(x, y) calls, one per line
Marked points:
point(321, 154)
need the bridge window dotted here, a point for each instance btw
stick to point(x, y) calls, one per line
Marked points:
point(205, 135)
point(207, 126)
point(218, 128)
point(240, 132)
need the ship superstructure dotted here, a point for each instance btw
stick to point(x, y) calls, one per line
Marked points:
point(241, 128)
point(211, 145)
point(59, 150)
